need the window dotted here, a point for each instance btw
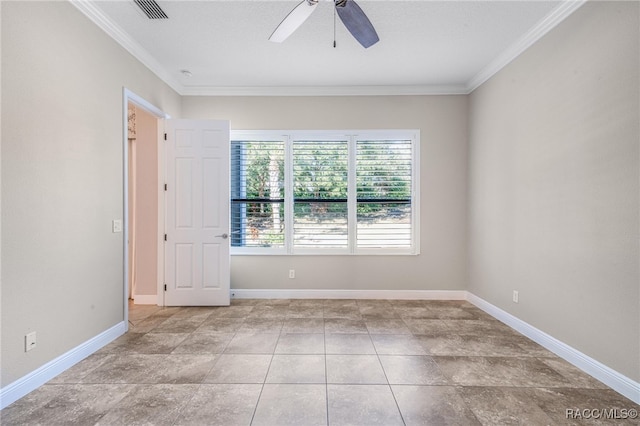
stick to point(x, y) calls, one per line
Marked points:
point(320, 181)
point(257, 194)
point(328, 193)
point(383, 187)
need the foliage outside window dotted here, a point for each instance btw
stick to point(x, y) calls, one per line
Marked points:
point(383, 176)
point(320, 210)
point(329, 193)
point(257, 194)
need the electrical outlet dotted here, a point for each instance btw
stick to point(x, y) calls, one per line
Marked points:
point(116, 225)
point(515, 296)
point(292, 273)
point(29, 341)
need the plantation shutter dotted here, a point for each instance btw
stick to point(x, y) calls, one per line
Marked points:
point(384, 176)
point(320, 208)
point(325, 192)
point(257, 194)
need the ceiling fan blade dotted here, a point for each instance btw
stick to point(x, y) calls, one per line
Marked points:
point(293, 20)
point(357, 23)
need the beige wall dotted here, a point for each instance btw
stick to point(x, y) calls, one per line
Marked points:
point(551, 183)
point(146, 222)
point(442, 264)
point(62, 184)
point(554, 185)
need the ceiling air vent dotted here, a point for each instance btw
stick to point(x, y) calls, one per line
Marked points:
point(151, 9)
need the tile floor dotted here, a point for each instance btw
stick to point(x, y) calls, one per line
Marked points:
point(318, 362)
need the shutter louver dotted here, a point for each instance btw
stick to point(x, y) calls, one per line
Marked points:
point(320, 174)
point(383, 176)
point(257, 194)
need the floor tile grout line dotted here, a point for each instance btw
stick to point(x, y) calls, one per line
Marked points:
point(387, 379)
point(454, 385)
point(186, 404)
point(264, 381)
point(326, 369)
point(219, 357)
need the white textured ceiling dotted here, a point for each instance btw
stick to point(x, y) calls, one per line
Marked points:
point(425, 46)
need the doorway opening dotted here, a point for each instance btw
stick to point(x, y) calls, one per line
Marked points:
point(143, 202)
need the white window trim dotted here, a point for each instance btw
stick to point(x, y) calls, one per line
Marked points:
point(288, 136)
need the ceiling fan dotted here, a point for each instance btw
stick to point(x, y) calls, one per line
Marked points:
point(349, 12)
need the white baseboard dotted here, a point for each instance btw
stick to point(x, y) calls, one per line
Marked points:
point(620, 383)
point(348, 294)
point(616, 381)
point(16, 390)
point(145, 299)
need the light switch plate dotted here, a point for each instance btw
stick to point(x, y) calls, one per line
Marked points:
point(116, 225)
point(29, 341)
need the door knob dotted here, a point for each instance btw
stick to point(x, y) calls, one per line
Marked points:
point(223, 236)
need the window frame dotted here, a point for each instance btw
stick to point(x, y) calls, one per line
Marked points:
point(288, 137)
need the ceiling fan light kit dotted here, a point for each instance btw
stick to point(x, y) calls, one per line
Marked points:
point(351, 15)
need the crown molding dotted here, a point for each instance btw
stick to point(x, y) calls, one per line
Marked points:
point(559, 14)
point(324, 90)
point(566, 8)
point(122, 38)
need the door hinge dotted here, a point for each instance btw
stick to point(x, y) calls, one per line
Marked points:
point(165, 186)
point(165, 287)
point(165, 136)
point(165, 237)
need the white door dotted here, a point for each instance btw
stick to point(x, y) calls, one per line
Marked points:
point(197, 213)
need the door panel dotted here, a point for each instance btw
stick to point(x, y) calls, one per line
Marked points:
point(210, 205)
point(184, 266)
point(197, 222)
point(211, 271)
point(184, 193)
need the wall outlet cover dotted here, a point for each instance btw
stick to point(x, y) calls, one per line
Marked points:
point(29, 341)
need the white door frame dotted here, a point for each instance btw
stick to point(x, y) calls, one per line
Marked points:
point(130, 97)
